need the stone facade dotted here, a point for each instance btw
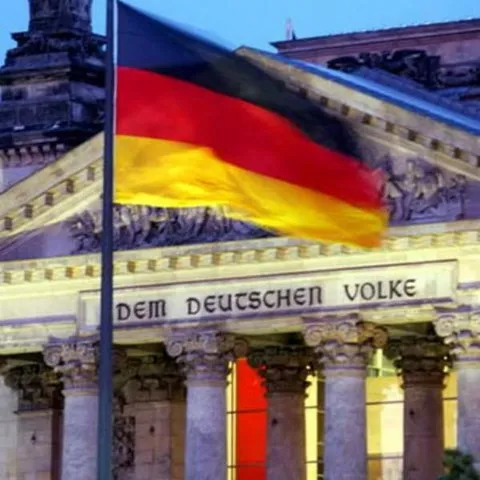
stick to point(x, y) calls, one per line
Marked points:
point(196, 291)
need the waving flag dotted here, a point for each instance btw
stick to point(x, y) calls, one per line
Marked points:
point(198, 125)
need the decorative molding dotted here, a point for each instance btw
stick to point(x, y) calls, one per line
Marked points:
point(205, 356)
point(420, 361)
point(76, 360)
point(460, 329)
point(31, 155)
point(343, 343)
point(37, 386)
point(253, 252)
point(284, 369)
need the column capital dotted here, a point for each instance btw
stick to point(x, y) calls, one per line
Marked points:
point(37, 386)
point(420, 360)
point(151, 378)
point(284, 369)
point(344, 342)
point(204, 355)
point(460, 329)
point(76, 360)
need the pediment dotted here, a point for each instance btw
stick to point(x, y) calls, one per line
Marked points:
point(431, 167)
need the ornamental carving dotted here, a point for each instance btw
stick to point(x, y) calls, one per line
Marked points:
point(123, 446)
point(416, 65)
point(143, 227)
point(420, 360)
point(76, 360)
point(344, 341)
point(205, 356)
point(37, 386)
point(460, 329)
point(284, 368)
point(153, 377)
point(422, 192)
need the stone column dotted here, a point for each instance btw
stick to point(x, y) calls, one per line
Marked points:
point(285, 370)
point(344, 346)
point(205, 358)
point(76, 361)
point(39, 416)
point(155, 406)
point(423, 364)
point(460, 329)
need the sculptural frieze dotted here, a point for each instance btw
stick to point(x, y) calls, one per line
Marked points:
point(416, 191)
point(139, 226)
point(416, 65)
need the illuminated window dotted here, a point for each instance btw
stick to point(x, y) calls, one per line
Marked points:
point(247, 425)
point(381, 366)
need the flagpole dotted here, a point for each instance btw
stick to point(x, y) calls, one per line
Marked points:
point(105, 427)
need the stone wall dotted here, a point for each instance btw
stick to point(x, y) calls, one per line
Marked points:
point(8, 433)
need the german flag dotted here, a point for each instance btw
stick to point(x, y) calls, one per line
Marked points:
point(198, 125)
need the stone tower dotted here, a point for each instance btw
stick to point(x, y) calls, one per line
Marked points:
point(51, 87)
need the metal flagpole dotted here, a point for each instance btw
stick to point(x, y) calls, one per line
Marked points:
point(105, 434)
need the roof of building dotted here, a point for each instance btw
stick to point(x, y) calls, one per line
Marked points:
point(398, 92)
point(422, 29)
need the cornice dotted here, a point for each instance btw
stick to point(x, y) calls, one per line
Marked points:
point(75, 162)
point(436, 241)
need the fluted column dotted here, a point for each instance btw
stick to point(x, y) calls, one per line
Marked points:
point(460, 329)
point(39, 415)
point(155, 400)
point(285, 370)
point(422, 363)
point(344, 346)
point(76, 361)
point(205, 358)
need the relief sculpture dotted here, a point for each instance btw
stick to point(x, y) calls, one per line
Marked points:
point(415, 192)
point(137, 227)
point(423, 193)
point(417, 65)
